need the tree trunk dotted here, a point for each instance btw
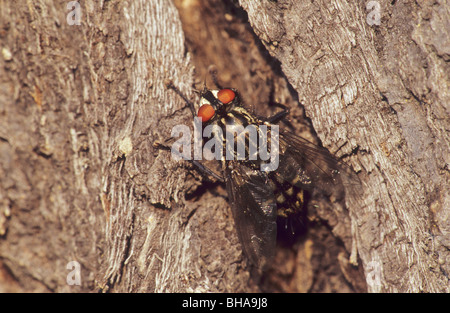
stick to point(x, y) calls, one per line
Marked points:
point(82, 105)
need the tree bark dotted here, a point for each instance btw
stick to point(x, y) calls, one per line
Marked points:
point(82, 105)
point(378, 95)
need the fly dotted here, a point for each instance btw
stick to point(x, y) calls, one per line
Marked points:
point(257, 197)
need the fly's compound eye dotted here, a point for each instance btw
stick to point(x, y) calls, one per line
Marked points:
point(206, 112)
point(226, 95)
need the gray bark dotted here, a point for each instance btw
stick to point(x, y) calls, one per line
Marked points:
point(382, 92)
point(82, 105)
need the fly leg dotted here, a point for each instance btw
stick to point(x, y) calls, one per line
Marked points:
point(280, 115)
point(170, 85)
point(204, 170)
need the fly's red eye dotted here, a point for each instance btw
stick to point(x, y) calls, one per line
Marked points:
point(206, 112)
point(226, 95)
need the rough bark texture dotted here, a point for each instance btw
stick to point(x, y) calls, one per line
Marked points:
point(81, 106)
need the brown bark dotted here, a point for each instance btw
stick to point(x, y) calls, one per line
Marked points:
point(81, 106)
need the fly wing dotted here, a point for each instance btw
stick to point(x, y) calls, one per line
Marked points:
point(309, 166)
point(254, 210)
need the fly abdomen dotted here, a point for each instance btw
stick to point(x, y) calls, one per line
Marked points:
point(289, 197)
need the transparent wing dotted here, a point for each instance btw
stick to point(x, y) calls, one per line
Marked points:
point(254, 210)
point(309, 166)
